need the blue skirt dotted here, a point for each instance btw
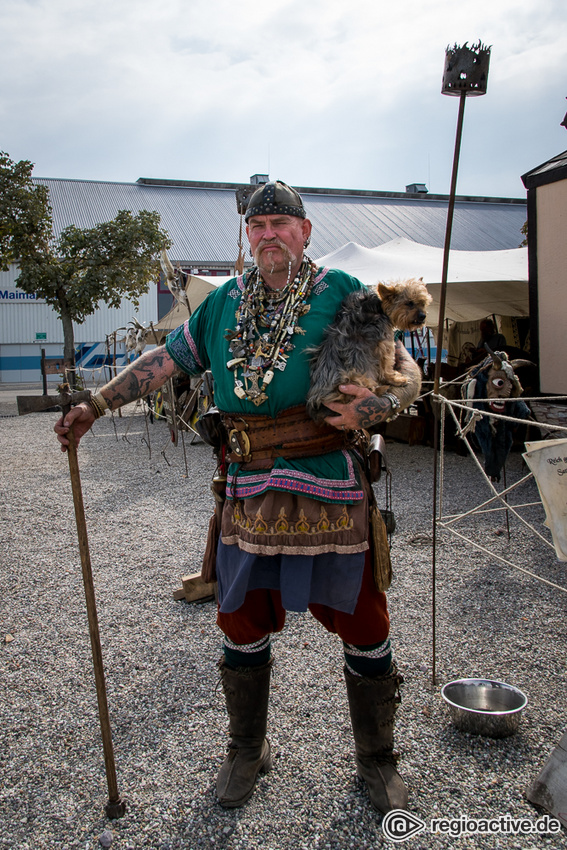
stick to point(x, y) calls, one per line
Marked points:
point(327, 579)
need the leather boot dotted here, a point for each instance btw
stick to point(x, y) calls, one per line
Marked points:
point(372, 704)
point(246, 691)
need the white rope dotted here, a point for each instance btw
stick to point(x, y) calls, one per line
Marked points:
point(441, 461)
point(447, 523)
point(492, 415)
point(505, 560)
point(499, 495)
point(500, 508)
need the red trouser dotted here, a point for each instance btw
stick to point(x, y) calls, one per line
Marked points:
point(262, 613)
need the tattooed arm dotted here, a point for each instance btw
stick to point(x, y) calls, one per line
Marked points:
point(367, 410)
point(142, 376)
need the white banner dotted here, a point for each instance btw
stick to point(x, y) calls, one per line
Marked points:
point(547, 460)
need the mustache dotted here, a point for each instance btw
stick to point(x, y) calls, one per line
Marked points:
point(270, 243)
point(288, 256)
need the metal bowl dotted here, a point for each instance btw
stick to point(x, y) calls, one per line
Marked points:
point(484, 707)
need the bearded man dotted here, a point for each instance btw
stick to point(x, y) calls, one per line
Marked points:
point(295, 523)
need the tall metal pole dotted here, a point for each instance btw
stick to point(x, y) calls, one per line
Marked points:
point(466, 73)
point(447, 246)
point(436, 380)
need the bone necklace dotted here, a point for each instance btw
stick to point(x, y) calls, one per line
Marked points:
point(266, 321)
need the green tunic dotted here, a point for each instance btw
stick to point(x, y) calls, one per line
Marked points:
point(200, 344)
point(310, 515)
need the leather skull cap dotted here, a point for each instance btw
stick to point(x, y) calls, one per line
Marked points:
point(275, 198)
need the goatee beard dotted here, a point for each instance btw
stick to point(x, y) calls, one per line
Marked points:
point(270, 266)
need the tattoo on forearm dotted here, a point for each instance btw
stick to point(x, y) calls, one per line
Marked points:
point(372, 410)
point(399, 358)
point(408, 367)
point(137, 380)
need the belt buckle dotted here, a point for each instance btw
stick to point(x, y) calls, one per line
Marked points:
point(239, 443)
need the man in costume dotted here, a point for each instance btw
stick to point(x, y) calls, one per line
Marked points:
point(295, 523)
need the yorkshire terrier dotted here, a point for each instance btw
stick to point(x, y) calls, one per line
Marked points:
point(358, 347)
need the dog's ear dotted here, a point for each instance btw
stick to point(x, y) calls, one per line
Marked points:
point(372, 304)
point(383, 289)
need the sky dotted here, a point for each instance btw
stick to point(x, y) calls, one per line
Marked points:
point(316, 93)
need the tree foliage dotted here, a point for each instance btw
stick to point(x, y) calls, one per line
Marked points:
point(77, 270)
point(524, 230)
point(109, 262)
point(25, 216)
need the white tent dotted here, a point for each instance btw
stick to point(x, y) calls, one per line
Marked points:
point(480, 283)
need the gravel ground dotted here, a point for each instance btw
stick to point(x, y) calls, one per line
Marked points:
point(147, 512)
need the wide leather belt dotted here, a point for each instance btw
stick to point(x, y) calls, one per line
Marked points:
point(292, 434)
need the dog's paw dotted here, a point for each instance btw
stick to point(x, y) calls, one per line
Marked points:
point(399, 380)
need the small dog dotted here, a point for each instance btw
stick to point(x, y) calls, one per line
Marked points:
point(358, 348)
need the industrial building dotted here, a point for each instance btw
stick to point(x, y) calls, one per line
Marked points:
point(204, 224)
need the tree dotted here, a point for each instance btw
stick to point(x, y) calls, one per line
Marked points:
point(80, 268)
point(25, 216)
point(524, 230)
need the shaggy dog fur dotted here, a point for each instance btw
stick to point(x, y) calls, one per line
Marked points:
point(358, 348)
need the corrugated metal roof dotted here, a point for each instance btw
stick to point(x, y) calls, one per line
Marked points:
point(203, 222)
point(548, 172)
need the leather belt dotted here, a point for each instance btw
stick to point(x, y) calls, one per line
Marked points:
point(292, 434)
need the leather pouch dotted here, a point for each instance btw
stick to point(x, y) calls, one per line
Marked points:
point(376, 457)
point(210, 428)
point(208, 568)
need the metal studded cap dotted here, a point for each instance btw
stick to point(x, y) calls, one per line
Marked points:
point(275, 198)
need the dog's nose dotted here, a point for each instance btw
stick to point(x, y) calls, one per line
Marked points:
point(421, 316)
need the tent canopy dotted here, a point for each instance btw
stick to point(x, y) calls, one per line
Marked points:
point(479, 282)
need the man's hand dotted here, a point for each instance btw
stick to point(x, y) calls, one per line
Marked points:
point(81, 417)
point(365, 410)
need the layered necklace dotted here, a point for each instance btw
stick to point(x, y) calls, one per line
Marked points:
point(266, 321)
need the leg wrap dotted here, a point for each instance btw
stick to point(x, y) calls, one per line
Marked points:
point(373, 660)
point(247, 655)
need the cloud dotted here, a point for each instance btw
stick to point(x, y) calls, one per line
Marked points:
point(322, 92)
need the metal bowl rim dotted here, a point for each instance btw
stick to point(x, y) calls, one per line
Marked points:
point(478, 681)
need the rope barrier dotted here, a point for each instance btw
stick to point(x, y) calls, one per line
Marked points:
point(448, 522)
point(493, 554)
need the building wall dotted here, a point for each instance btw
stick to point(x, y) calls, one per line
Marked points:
point(27, 325)
point(552, 285)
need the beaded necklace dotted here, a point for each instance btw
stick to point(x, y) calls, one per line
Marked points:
point(266, 320)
